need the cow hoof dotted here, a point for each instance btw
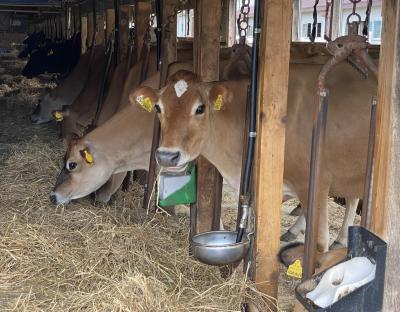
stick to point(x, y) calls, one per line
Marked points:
point(290, 253)
point(288, 237)
point(296, 212)
point(336, 245)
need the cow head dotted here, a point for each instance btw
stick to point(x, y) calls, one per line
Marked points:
point(43, 112)
point(185, 108)
point(85, 170)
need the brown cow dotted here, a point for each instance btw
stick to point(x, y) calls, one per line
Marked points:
point(208, 118)
point(65, 93)
point(121, 144)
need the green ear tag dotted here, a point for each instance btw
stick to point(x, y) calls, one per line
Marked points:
point(218, 102)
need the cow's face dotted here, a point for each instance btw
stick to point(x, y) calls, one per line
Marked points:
point(185, 108)
point(84, 172)
point(45, 109)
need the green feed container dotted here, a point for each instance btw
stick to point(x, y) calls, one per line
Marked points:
point(177, 189)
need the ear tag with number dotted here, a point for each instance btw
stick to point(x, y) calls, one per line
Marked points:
point(295, 270)
point(145, 102)
point(87, 156)
point(218, 102)
point(58, 116)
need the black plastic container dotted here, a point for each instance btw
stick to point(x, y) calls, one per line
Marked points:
point(368, 298)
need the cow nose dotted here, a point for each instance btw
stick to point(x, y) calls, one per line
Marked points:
point(53, 199)
point(168, 159)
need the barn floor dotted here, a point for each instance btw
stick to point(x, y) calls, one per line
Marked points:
point(89, 256)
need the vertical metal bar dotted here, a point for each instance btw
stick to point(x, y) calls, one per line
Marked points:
point(318, 138)
point(366, 207)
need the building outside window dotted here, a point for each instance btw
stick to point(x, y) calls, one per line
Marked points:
point(307, 30)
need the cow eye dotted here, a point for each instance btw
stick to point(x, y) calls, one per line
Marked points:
point(157, 108)
point(200, 110)
point(71, 165)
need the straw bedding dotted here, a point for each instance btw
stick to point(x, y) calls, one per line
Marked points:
point(86, 256)
point(94, 257)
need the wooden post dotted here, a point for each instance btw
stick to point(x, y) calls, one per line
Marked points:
point(385, 214)
point(90, 29)
point(123, 31)
point(110, 23)
point(84, 33)
point(206, 64)
point(142, 20)
point(274, 73)
point(100, 34)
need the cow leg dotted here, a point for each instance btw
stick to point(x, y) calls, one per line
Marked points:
point(323, 227)
point(107, 190)
point(348, 220)
point(295, 229)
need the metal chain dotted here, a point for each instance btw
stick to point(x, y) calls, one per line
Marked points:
point(354, 25)
point(172, 18)
point(243, 21)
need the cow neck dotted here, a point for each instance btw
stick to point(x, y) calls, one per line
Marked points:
point(224, 147)
point(125, 139)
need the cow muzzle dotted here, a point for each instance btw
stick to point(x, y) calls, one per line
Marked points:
point(168, 158)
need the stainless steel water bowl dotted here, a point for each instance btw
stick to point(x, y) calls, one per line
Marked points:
point(219, 247)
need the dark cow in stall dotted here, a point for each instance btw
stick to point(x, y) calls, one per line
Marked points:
point(54, 57)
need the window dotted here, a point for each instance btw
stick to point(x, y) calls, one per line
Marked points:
point(184, 24)
point(376, 29)
point(307, 30)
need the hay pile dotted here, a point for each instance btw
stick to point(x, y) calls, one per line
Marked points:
point(90, 257)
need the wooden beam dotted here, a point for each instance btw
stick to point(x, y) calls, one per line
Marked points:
point(273, 90)
point(84, 32)
point(110, 23)
point(142, 20)
point(100, 34)
point(123, 31)
point(206, 64)
point(385, 213)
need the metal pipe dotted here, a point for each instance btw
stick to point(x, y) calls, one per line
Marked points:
point(366, 206)
point(116, 31)
point(159, 31)
point(253, 118)
point(318, 138)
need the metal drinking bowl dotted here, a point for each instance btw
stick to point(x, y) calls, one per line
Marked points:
point(219, 247)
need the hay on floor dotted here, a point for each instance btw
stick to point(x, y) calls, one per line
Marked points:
point(90, 257)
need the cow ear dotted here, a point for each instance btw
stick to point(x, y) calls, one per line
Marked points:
point(59, 115)
point(146, 97)
point(219, 96)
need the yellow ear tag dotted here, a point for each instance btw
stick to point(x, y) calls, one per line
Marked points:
point(87, 156)
point(145, 102)
point(295, 270)
point(58, 116)
point(218, 102)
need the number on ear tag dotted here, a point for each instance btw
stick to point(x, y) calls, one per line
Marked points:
point(218, 102)
point(295, 270)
